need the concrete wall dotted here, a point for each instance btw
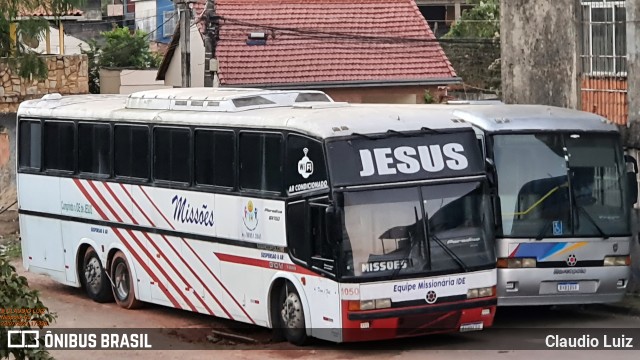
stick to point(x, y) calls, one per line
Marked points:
point(388, 94)
point(127, 81)
point(539, 43)
point(632, 134)
point(7, 159)
point(67, 75)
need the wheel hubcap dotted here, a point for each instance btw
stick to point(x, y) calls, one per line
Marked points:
point(93, 274)
point(292, 312)
point(121, 280)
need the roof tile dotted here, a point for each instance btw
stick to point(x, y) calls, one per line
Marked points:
point(325, 41)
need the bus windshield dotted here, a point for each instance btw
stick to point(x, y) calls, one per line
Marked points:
point(385, 233)
point(561, 184)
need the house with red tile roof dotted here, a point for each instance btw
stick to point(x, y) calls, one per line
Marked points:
point(355, 50)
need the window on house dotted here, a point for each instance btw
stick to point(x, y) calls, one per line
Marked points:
point(169, 20)
point(604, 47)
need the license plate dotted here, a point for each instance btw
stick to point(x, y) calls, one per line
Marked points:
point(564, 287)
point(471, 327)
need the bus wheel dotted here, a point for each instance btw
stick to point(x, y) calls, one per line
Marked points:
point(123, 285)
point(292, 315)
point(94, 278)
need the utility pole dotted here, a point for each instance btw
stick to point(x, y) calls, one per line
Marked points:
point(210, 42)
point(185, 43)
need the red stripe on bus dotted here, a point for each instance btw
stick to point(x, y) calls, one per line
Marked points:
point(180, 257)
point(275, 265)
point(199, 258)
point(142, 247)
point(126, 243)
point(154, 205)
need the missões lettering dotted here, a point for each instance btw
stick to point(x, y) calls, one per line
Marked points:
point(185, 213)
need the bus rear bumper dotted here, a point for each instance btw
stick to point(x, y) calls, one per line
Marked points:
point(545, 286)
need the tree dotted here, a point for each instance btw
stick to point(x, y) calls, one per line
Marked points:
point(121, 49)
point(16, 31)
point(473, 45)
point(21, 309)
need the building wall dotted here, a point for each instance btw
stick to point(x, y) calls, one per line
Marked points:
point(540, 52)
point(161, 7)
point(67, 75)
point(145, 15)
point(633, 74)
point(605, 96)
point(173, 76)
point(127, 81)
point(387, 94)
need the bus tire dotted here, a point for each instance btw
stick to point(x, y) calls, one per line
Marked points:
point(291, 316)
point(94, 278)
point(123, 284)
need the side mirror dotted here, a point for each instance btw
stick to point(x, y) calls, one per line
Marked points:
point(632, 179)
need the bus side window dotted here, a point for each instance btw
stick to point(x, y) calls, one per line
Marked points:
point(297, 234)
point(131, 151)
point(171, 154)
point(59, 141)
point(261, 161)
point(94, 147)
point(214, 158)
point(30, 142)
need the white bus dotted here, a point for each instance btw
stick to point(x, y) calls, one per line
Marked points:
point(564, 194)
point(282, 209)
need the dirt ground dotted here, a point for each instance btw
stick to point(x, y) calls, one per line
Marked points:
point(189, 333)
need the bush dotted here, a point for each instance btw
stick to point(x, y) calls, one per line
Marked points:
point(15, 294)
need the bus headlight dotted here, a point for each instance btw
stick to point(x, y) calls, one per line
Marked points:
point(481, 292)
point(617, 260)
point(514, 263)
point(356, 305)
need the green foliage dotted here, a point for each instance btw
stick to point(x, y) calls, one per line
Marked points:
point(16, 295)
point(477, 60)
point(481, 21)
point(20, 57)
point(93, 67)
point(121, 49)
point(124, 49)
point(428, 97)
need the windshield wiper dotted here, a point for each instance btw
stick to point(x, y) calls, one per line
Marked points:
point(588, 216)
point(363, 135)
point(390, 131)
point(429, 130)
point(542, 231)
point(451, 253)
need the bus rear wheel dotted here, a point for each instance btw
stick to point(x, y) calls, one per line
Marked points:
point(94, 278)
point(123, 285)
point(291, 315)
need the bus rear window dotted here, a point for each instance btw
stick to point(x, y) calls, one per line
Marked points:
point(59, 138)
point(131, 151)
point(30, 144)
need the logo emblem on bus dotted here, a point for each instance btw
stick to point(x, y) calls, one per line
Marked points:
point(250, 216)
point(572, 260)
point(431, 297)
point(615, 247)
point(305, 165)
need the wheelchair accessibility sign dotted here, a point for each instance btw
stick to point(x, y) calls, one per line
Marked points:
point(557, 228)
